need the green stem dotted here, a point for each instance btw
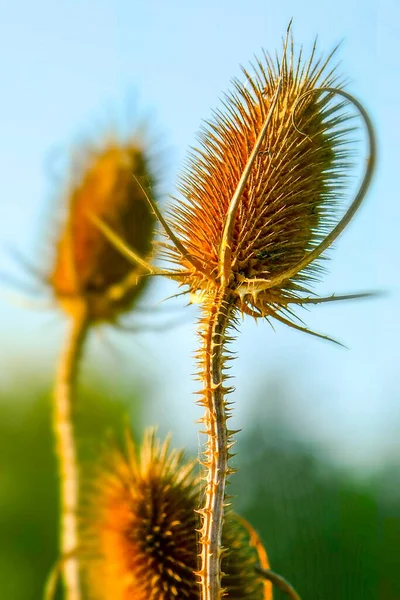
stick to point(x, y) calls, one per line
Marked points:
point(66, 451)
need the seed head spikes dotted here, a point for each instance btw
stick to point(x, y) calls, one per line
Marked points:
point(139, 530)
point(259, 208)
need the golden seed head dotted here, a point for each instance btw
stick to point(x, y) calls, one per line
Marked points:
point(291, 196)
point(87, 267)
point(139, 525)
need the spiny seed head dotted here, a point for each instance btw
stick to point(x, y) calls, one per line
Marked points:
point(290, 199)
point(87, 267)
point(140, 526)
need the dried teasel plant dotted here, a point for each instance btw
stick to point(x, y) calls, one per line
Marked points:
point(261, 205)
point(140, 525)
point(92, 282)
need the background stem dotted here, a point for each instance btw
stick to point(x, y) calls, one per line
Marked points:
point(65, 448)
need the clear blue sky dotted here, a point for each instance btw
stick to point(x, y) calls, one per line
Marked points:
point(70, 66)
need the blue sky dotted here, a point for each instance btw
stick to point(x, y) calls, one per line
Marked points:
point(70, 68)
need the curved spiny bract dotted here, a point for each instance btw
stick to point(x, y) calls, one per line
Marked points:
point(139, 531)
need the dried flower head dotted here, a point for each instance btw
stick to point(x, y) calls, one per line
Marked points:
point(140, 524)
point(263, 190)
point(88, 268)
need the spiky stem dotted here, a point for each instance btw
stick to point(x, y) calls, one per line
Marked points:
point(217, 315)
point(65, 449)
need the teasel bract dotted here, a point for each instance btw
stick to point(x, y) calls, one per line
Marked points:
point(93, 283)
point(139, 526)
point(261, 204)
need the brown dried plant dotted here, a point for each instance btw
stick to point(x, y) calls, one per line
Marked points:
point(140, 530)
point(93, 283)
point(261, 205)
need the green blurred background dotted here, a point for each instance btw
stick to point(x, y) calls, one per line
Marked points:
point(333, 533)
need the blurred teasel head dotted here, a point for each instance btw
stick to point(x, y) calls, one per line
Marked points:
point(87, 268)
point(139, 527)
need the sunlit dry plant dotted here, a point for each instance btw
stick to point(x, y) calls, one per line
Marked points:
point(140, 530)
point(93, 283)
point(261, 200)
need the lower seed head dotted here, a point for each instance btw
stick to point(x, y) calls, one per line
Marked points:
point(140, 523)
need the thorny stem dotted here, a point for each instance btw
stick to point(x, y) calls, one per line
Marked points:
point(65, 449)
point(217, 316)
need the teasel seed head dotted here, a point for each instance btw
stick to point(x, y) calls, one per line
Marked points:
point(262, 193)
point(88, 269)
point(139, 528)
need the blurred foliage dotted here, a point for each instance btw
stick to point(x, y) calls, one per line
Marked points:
point(28, 479)
point(333, 534)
